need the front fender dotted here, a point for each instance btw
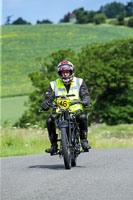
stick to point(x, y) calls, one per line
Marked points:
point(63, 124)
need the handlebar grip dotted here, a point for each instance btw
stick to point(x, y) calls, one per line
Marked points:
point(40, 110)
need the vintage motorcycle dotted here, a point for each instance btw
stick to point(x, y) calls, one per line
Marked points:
point(69, 133)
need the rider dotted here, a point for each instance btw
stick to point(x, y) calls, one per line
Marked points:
point(67, 84)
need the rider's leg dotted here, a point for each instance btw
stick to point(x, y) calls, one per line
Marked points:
point(52, 135)
point(82, 120)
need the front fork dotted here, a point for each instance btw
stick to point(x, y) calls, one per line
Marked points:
point(75, 140)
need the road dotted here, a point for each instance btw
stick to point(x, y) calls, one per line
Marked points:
point(102, 174)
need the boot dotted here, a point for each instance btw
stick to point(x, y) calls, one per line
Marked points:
point(53, 149)
point(53, 140)
point(85, 145)
point(84, 141)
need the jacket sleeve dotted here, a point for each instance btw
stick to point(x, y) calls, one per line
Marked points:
point(49, 95)
point(84, 94)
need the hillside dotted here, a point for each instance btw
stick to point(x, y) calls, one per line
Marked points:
point(22, 44)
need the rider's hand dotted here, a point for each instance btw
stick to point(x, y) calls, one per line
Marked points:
point(45, 105)
point(85, 104)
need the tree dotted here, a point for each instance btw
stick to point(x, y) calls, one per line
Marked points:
point(113, 9)
point(81, 15)
point(8, 20)
point(130, 22)
point(99, 18)
point(109, 75)
point(120, 18)
point(66, 18)
point(45, 21)
point(90, 16)
point(129, 8)
point(20, 21)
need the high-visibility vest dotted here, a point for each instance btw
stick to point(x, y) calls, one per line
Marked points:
point(59, 88)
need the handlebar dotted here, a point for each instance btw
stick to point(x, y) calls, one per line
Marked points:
point(76, 102)
point(54, 104)
point(67, 95)
point(80, 102)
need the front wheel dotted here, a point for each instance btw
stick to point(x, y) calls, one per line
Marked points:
point(65, 148)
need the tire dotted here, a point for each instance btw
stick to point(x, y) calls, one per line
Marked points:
point(65, 149)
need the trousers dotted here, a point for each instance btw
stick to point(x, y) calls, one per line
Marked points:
point(81, 119)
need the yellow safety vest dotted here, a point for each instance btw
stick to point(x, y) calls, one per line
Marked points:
point(59, 88)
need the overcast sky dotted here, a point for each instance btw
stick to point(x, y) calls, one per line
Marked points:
point(54, 10)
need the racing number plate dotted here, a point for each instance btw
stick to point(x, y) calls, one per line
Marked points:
point(63, 103)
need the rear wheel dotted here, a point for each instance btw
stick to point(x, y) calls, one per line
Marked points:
point(65, 148)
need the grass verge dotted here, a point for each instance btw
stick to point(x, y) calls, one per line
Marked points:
point(103, 136)
point(15, 142)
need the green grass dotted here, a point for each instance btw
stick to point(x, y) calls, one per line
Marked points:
point(16, 142)
point(22, 44)
point(103, 136)
point(11, 109)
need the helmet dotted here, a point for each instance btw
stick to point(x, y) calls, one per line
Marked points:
point(65, 65)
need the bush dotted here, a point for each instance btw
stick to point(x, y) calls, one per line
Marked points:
point(120, 18)
point(45, 21)
point(99, 18)
point(20, 21)
point(112, 22)
point(109, 75)
point(130, 22)
point(107, 70)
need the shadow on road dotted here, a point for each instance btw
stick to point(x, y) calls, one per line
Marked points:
point(53, 167)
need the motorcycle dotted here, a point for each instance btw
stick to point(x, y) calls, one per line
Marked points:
point(69, 132)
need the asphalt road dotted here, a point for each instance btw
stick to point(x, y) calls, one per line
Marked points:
point(99, 175)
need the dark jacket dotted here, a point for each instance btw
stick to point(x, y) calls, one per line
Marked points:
point(83, 93)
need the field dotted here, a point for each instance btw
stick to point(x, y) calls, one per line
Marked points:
point(16, 142)
point(11, 109)
point(21, 45)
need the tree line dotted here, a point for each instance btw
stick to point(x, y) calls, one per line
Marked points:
point(110, 11)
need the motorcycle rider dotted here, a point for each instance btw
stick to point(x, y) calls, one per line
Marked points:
point(67, 84)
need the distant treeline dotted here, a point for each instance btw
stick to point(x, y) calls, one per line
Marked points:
point(108, 11)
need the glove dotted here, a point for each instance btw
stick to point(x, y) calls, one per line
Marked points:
point(85, 104)
point(45, 105)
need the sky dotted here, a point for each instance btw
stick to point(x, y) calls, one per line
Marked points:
point(54, 10)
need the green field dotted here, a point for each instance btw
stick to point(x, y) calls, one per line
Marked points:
point(22, 44)
point(11, 109)
point(15, 142)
